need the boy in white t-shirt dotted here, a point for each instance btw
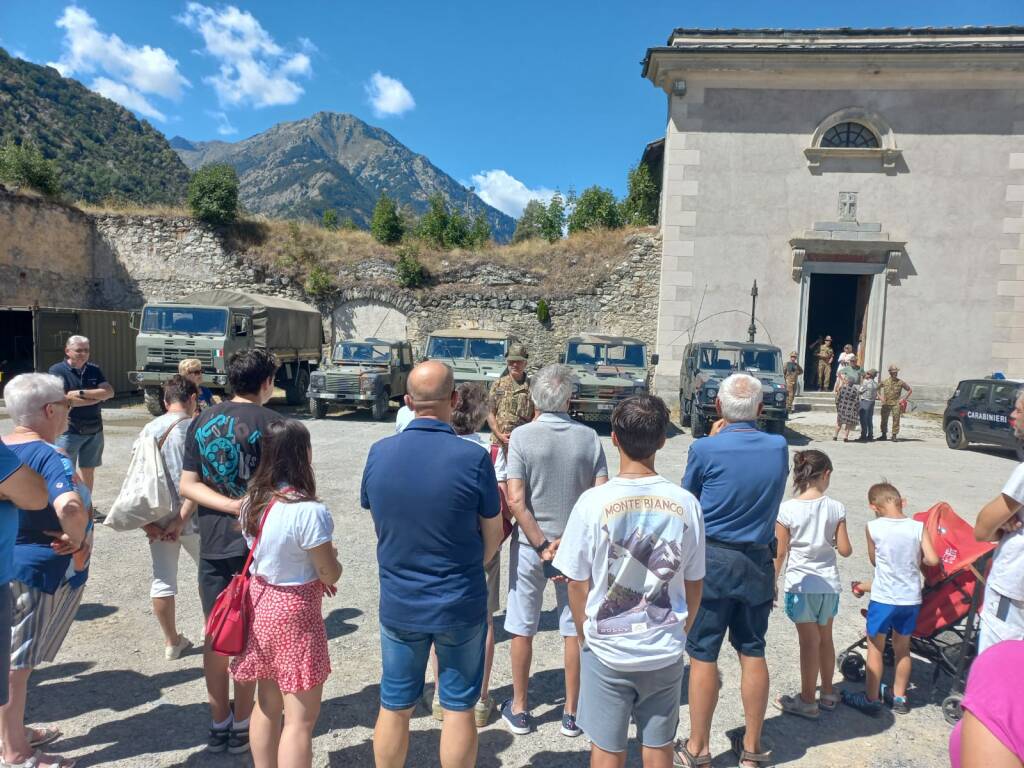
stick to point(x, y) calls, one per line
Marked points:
point(633, 551)
point(897, 545)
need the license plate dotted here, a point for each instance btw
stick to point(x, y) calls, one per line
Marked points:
point(154, 359)
point(327, 396)
point(606, 406)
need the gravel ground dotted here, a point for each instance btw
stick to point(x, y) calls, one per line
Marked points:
point(121, 704)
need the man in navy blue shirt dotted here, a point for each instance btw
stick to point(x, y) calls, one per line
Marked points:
point(435, 504)
point(739, 476)
point(86, 388)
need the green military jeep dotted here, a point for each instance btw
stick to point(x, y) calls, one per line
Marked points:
point(361, 373)
point(473, 354)
point(609, 369)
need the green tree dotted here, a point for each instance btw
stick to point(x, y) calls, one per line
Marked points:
point(348, 224)
point(411, 273)
point(640, 208)
point(434, 222)
point(25, 165)
point(330, 219)
point(213, 194)
point(318, 282)
point(543, 312)
point(531, 223)
point(386, 226)
point(594, 209)
point(456, 231)
point(480, 234)
point(554, 222)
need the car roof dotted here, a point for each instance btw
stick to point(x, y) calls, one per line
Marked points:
point(990, 380)
point(371, 340)
point(737, 344)
point(470, 333)
point(601, 338)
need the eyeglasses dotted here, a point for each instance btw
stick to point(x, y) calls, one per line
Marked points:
point(65, 403)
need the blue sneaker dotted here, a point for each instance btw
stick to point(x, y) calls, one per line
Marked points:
point(569, 727)
point(520, 723)
point(860, 701)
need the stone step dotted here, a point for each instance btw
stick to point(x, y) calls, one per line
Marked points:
point(813, 405)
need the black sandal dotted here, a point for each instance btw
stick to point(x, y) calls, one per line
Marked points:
point(683, 758)
point(759, 758)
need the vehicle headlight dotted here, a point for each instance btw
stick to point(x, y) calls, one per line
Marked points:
point(710, 393)
point(366, 382)
point(575, 390)
point(639, 390)
point(780, 396)
point(317, 381)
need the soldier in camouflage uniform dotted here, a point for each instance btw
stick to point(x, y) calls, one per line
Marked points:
point(825, 355)
point(889, 393)
point(792, 371)
point(511, 405)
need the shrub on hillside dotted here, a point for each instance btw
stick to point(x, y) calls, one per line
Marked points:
point(213, 194)
point(640, 208)
point(386, 225)
point(595, 208)
point(543, 312)
point(318, 282)
point(24, 165)
point(411, 273)
point(330, 219)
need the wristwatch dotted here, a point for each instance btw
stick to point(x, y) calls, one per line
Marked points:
point(81, 394)
point(539, 549)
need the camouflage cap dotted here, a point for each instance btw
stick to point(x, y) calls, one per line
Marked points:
point(793, 354)
point(893, 368)
point(517, 352)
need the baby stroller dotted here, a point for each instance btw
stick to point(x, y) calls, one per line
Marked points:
point(947, 627)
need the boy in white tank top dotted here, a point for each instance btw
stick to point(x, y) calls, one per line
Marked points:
point(897, 545)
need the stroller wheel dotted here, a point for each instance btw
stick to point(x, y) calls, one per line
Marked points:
point(852, 666)
point(952, 708)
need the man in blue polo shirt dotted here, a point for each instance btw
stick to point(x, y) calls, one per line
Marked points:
point(435, 504)
point(86, 388)
point(739, 476)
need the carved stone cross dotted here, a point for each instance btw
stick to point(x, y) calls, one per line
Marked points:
point(847, 206)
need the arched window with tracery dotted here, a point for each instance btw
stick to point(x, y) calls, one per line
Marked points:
point(850, 135)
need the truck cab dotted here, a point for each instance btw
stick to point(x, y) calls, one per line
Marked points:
point(363, 374)
point(609, 369)
point(473, 354)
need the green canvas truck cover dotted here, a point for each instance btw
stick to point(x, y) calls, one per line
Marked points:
point(276, 323)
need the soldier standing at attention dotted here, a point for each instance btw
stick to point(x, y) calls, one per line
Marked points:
point(889, 393)
point(791, 371)
point(825, 355)
point(511, 405)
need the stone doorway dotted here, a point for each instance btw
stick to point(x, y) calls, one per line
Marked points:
point(364, 318)
point(837, 306)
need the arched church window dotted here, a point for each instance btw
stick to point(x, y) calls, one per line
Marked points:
point(850, 135)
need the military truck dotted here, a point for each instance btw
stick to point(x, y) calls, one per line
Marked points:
point(361, 373)
point(610, 369)
point(474, 354)
point(706, 364)
point(211, 326)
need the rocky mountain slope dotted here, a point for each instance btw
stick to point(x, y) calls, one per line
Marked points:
point(333, 160)
point(102, 150)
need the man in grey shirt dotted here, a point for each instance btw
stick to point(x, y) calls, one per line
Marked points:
point(551, 462)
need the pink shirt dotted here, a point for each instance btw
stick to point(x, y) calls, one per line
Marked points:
point(991, 699)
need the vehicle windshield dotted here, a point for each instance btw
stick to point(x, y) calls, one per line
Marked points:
point(348, 351)
point(585, 353)
point(455, 348)
point(187, 320)
point(732, 359)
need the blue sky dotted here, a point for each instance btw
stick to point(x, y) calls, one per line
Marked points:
point(516, 98)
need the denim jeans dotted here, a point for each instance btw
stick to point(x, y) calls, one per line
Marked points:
point(460, 666)
point(867, 415)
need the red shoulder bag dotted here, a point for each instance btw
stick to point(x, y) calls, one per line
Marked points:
point(231, 617)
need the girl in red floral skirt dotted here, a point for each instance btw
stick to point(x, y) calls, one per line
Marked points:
point(294, 565)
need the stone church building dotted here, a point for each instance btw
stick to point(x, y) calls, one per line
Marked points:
point(870, 181)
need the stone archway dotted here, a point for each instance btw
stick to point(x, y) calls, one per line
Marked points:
point(366, 313)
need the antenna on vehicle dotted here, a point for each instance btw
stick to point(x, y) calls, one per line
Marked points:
point(700, 306)
point(381, 325)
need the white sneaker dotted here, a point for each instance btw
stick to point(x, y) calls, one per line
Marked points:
point(482, 711)
point(172, 652)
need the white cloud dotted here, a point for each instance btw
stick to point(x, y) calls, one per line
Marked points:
point(252, 68)
point(126, 97)
point(224, 126)
point(388, 96)
point(508, 194)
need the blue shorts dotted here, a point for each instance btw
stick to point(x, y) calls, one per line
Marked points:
point(812, 608)
point(901, 619)
point(460, 666)
point(83, 450)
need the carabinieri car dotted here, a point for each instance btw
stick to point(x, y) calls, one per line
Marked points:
point(979, 412)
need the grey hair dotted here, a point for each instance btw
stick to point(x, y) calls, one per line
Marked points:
point(76, 339)
point(740, 396)
point(27, 393)
point(552, 387)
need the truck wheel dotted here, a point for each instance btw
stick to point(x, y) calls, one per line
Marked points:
point(296, 391)
point(154, 399)
point(317, 408)
point(380, 406)
point(684, 415)
point(955, 437)
point(776, 426)
point(697, 426)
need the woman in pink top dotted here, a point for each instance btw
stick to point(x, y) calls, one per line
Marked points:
point(991, 734)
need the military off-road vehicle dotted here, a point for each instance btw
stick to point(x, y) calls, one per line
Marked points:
point(706, 364)
point(473, 354)
point(361, 373)
point(610, 369)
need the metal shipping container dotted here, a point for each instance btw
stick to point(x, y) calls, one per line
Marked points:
point(33, 338)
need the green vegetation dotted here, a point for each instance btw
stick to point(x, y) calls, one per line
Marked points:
point(24, 165)
point(445, 229)
point(318, 282)
point(330, 219)
point(101, 151)
point(213, 194)
point(348, 224)
point(643, 198)
point(594, 208)
point(539, 220)
point(386, 226)
point(411, 273)
point(543, 312)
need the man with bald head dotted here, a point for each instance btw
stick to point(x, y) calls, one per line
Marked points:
point(434, 501)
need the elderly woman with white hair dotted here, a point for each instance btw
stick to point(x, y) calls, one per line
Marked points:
point(551, 462)
point(51, 556)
